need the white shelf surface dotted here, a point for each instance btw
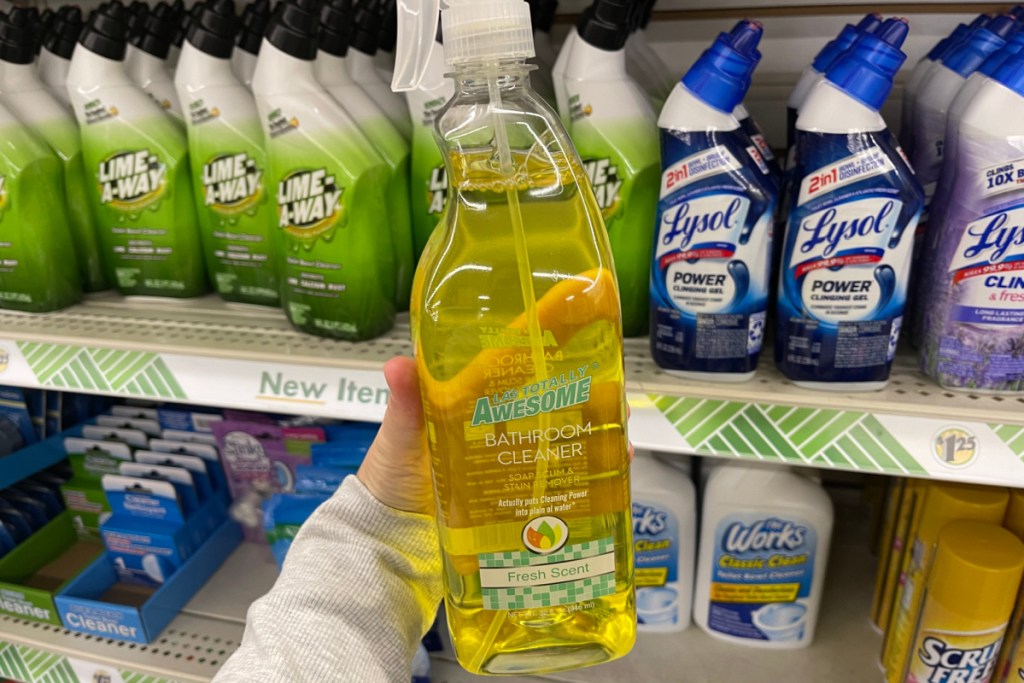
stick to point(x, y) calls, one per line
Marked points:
point(195, 644)
point(205, 351)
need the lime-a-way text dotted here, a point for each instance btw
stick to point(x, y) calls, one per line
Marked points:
point(543, 396)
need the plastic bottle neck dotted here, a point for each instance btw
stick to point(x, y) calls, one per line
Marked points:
point(214, 70)
point(331, 70)
point(15, 77)
point(476, 79)
point(278, 71)
point(89, 68)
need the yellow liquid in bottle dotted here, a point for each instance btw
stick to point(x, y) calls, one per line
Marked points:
point(529, 458)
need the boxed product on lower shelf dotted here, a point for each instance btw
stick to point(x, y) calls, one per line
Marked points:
point(98, 604)
point(40, 567)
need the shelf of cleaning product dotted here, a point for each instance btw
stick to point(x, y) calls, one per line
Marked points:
point(205, 351)
point(209, 629)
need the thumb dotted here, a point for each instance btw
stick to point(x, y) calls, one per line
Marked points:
point(396, 469)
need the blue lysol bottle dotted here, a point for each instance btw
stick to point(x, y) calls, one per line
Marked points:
point(850, 230)
point(712, 251)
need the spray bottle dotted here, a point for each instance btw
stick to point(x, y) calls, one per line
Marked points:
point(335, 32)
point(250, 36)
point(526, 259)
point(39, 270)
point(337, 272)
point(229, 165)
point(709, 282)
point(146, 58)
point(55, 57)
point(142, 199)
point(25, 96)
point(843, 290)
point(359, 62)
point(428, 178)
point(972, 322)
point(615, 131)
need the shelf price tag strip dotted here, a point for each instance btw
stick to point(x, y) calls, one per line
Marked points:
point(282, 387)
point(26, 664)
point(837, 439)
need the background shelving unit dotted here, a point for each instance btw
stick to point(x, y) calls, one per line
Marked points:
point(209, 352)
point(210, 627)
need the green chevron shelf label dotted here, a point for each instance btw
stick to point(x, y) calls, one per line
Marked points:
point(221, 382)
point(77, 368)
point(830, 438)
point(29, 665)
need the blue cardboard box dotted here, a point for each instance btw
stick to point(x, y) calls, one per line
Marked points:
point(82, 609)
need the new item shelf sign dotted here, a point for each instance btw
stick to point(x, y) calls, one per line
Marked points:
point(283, 387)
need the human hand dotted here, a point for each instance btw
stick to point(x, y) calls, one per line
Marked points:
point(396, 470)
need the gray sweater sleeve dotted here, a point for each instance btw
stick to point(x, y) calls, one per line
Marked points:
point(359, 588)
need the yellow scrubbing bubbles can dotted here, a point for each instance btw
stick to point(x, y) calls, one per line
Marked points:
point(970, 594)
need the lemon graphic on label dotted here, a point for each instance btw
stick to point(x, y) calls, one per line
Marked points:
point(545, 535)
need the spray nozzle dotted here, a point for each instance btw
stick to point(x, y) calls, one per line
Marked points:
point(293, 30)
point(388, 27)
point(865, 72)
point(16, 44)
point(64, 32)
point(156, 32)
point(366, 23)
point(1013, 46)
point(213, 28)
point(542, 14)
point(336, 27)
point(254, 24)
point(137, 13)
point(475, 32)
point(721, 75)
point(1011, 73)
point(607, 25)
point(106, 32)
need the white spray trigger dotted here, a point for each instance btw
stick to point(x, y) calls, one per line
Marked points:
point(417, 32)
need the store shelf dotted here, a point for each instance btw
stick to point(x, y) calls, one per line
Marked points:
point(192, 648)
point(207, 352)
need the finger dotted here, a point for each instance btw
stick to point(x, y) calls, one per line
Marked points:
point(405, 411)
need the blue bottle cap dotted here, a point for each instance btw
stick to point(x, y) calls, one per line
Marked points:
point(997, 58)
point(1017, 12)
point(972, 52)
point(1011, 73)
point(937, 52)
point(721, 75)
point(866, 70)
point(842, 42)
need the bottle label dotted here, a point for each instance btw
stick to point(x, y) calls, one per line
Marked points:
point(846, 259)
point(954, 656)
point(761, 578)
point(131, 181)
point(656, 551)
point(712, 254)
point(539, 578)
point(973, 262)
point(232, 183)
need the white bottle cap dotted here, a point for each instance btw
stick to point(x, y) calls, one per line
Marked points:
point(475, 31)
point(486, 31)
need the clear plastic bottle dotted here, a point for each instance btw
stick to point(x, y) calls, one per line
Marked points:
point(517, 330)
